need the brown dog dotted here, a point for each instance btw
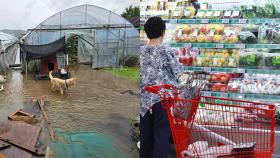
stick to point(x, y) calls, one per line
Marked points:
point(60, 84)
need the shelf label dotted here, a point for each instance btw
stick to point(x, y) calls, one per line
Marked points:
point(204, 21)
point(219, 45)
point(224, 95)
point(242, 21)
point(206, 93)
point(241, 70)
point(207, 69)
point(241, 46)
point(188, 45)
point(225, 21)
point(240, 96)
point(173, 21)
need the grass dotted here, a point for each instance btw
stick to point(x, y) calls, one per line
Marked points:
point(131, 73)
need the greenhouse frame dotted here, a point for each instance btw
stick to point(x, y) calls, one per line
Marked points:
point(8, 51)
point(105, 39)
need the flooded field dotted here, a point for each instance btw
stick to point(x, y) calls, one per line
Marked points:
point(94, 107)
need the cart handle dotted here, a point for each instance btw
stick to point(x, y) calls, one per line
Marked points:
point(156, 88)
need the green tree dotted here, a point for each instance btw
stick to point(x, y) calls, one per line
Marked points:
point(132, 14)
point(72, 47)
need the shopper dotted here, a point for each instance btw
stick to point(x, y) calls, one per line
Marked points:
point(158, 66)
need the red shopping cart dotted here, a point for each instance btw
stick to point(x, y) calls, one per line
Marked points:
point(209, 127)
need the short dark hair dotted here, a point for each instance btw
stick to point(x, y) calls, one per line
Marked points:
point(154, 27)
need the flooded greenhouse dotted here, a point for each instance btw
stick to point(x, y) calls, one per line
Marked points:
point(91, 119)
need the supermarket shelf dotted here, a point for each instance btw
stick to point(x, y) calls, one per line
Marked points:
point(272, 98)
point(219, 45)
point(232, 70)
point(222, 21)
point(225, 21)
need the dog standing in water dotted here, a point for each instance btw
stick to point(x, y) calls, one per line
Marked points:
point(60, 84)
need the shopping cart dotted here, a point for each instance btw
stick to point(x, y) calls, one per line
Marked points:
point(209, 127)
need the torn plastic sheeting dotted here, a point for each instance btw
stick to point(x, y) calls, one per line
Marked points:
point(83, 144)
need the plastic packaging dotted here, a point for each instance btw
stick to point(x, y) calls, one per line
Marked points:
point(250, 59)
point(272, 60)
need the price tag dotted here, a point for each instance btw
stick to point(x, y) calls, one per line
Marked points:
point(241, 46)
point(242, 21)
point(212, 32)
point(241, 96)
point(188, 45)
point(206, 93)
point(235, 14)
point(227, 14)
point(225, 21)
point(180, 32)
point(217, 14)
point(195, 32)
point(241, 70)
point(200, 14)
point(204, 21)
point(173, 21)
point(207, 69)
point(224, 95)
point(219, 45)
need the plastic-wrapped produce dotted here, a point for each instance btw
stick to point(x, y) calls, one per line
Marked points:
point(250, 59)
point(247, 37)
point(272, 60)
point(260, 84)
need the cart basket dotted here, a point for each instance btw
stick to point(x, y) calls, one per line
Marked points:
point(209, 127)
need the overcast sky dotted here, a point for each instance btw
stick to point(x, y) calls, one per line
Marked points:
point(27, 14)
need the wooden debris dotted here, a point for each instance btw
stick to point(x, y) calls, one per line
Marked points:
point(20, 115)
point(26, 119)
point(42, 107)
point(4, 145)
point(23, 133)
point(33, 150)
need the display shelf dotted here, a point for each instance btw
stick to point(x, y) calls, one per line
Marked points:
point(222, 21)
point(232, 70)
point(225, 21)
point(219, 45)
point(272, 98)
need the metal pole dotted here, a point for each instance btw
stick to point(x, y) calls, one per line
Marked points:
point(26, 68)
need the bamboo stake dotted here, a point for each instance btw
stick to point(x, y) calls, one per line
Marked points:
point(42, 107)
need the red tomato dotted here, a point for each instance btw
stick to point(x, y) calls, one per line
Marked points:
point(219, 85)
point(177, 53)
point(214, 78)
point(190, 61)
point(183, 50)
point(224, 88)
point(224, 79)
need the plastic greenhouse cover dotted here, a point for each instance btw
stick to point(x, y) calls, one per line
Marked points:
point(85, 16)
point(7, 40)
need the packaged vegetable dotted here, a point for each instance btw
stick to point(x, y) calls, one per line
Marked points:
point(250, 59)
point(247, 37)
point(200, 14)
point(272, 60)
point(218, 14)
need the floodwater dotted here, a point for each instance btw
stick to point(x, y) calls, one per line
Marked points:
point(93, 107)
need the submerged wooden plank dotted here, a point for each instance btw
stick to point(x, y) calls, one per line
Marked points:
point(44, 113)
point(22, 133)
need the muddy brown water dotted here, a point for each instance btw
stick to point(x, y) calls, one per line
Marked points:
point(94, 104)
